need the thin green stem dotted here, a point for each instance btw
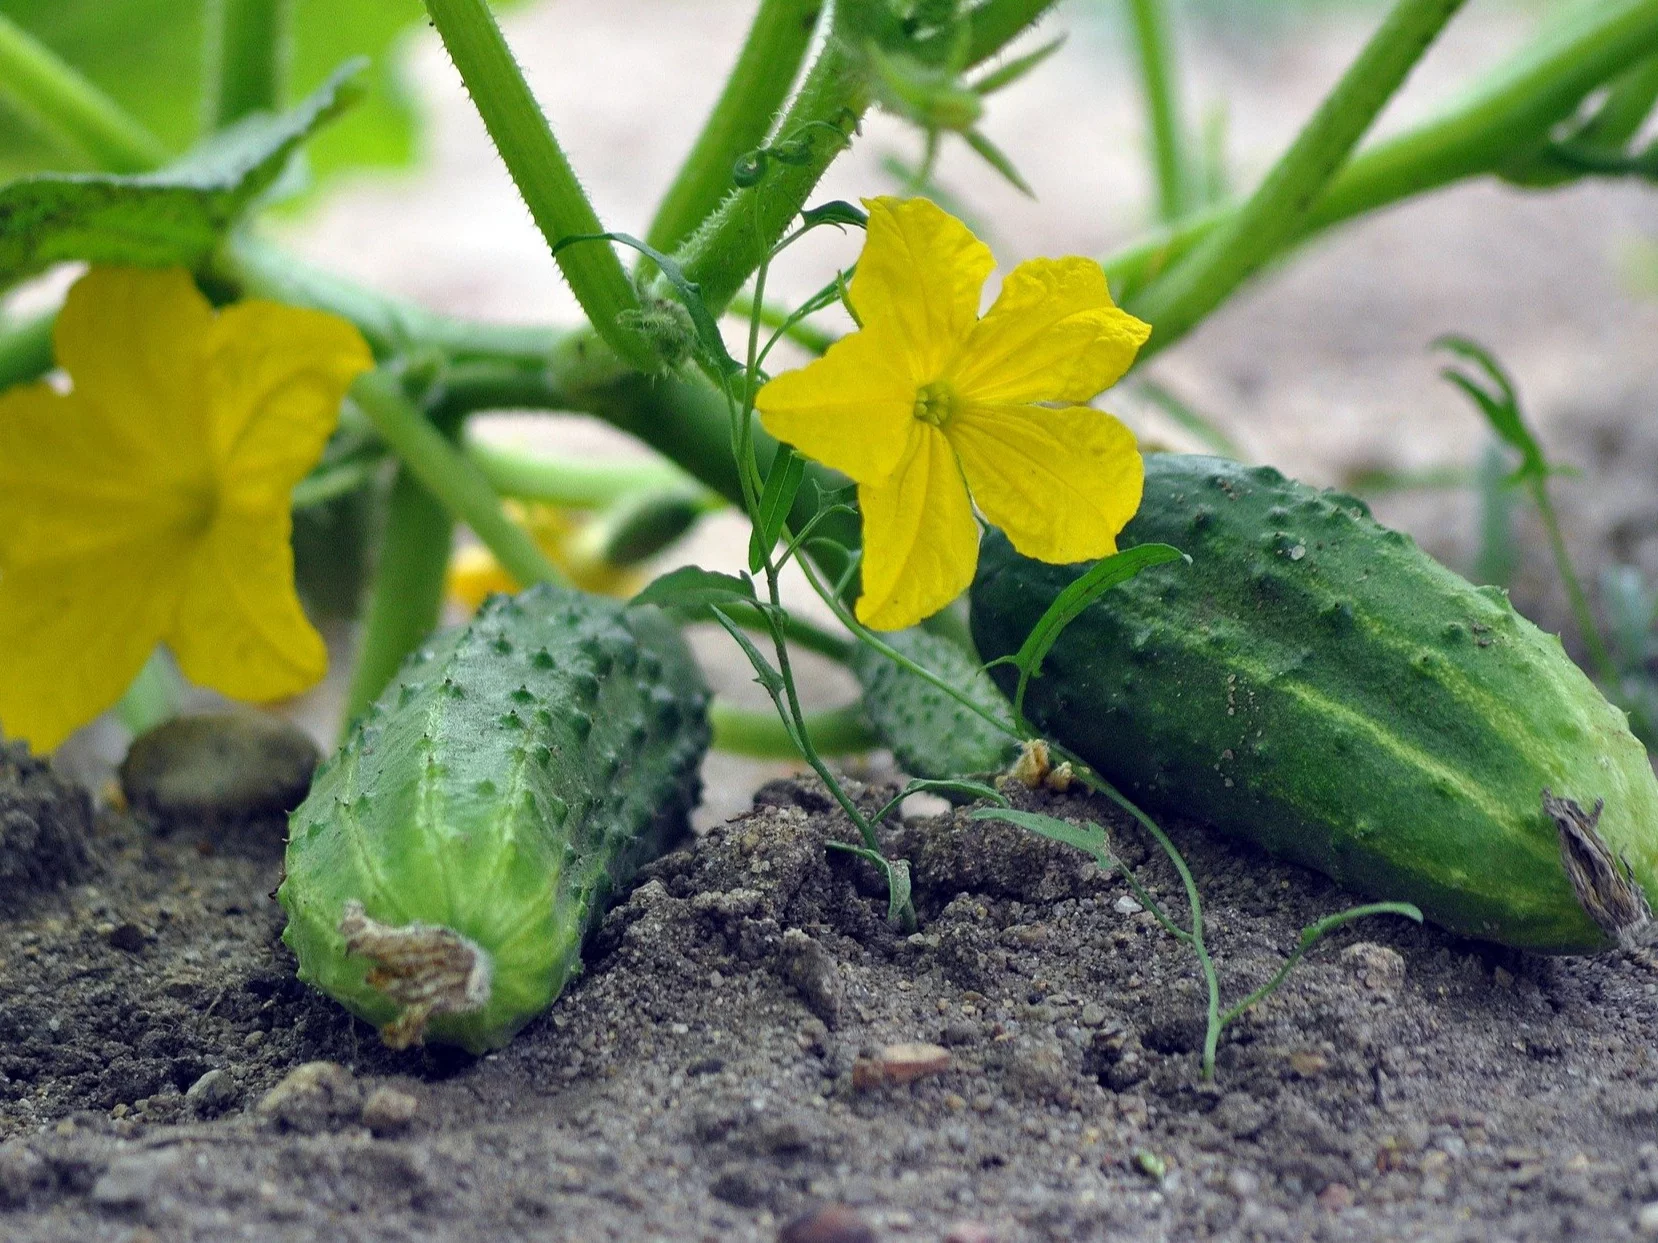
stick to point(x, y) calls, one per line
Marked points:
point(814, 340)
point(407, 598)
point(154, 697)
point(544, 177)
point(26, 349)
point(1507, 113)
point(447, 473)
point(1279, 208)
point(753, 95)
point(1606, 669)
point(1159, 78)
point(86, 124)
point(742, 731)
point(247, 57)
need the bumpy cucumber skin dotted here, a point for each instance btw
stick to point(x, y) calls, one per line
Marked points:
point(931, 735)
point(513, 777)
point(1316, 683)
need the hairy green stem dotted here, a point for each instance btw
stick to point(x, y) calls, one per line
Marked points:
point(721, 255)
point(742, 116)
point(407, 598)
point(1278, 209)
point(743, 731)
point(544, 177)
point(85, 123)
point(1506, 113)
point(247, 58)
point(447, 473)
point(1159, 76)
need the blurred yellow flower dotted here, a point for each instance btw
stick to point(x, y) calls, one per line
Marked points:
point(474, 573)
point(150, 502)
point(928, 400)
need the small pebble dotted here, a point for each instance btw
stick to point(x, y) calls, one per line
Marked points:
point(224, 766)
point(832, 1223)
point(1126, 905)
point(135, 1179)
point(971, 1232)
point(211, 1093)
point(899, 1063)
point(387, 1111)
point(1336, 1197)
point(127, 937)
point(316, 1096)
point(1646, 1221)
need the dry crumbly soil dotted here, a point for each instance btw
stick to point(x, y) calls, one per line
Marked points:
point(698, 1081)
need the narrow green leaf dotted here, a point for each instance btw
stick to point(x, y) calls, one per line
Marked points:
point(690, 592)
point(896, 872)
point(1091, 839)
point(776, 500)
point(1499, 403)
point(764, 674)
point(176, 215)
point(1069, 604)
point(958, 790)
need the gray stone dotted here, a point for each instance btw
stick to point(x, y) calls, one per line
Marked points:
point(317, 1096)
point(226, 767)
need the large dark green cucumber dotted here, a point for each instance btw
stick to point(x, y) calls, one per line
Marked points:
point(1316, 683)
point(450, 859)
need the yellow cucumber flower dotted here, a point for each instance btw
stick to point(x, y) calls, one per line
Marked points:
point(150, 502)
point(474, 574)
point(928, 400)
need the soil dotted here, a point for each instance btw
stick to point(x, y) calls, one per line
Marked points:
point(164, 1076)
point(726, 1063)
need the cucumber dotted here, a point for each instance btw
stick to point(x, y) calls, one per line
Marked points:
point(1317, 684)
point(452, 856)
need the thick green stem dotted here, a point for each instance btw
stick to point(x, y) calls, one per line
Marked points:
point(754, 93)
point(86, 123)
point(1507, 113)
point(565, 481)
point(1279, 209)
point(407, 598)
point(247, 57)
point(447, 473)
point(1159, 75)
point(543, 176)
point(721, 255)
point(742, 731)
point(26, 349)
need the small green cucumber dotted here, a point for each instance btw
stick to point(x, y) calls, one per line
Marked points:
point(451, 857)
point(1316, 683)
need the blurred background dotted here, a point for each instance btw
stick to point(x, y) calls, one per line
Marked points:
point(1322, 367)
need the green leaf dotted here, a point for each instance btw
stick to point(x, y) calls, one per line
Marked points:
point(958, 790)
point(1069, 604)
point(1497, 401)
point(148, 55)
point(176, 215)
point(895, 871)
point(1091, 839)
point(690, 592)
point(931, 734)
point(788, 468)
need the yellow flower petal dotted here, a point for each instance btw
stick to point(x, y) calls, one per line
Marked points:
point(852, 409)
point(134, 341)
point(70, 485)
point(1053, 335)
point(275, 378)
point(75, 633)
point(239, 626)
point(1062, 483)
point(921, 541)
point(920, 277)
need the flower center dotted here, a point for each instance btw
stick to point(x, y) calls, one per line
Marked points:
point(935, 402)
